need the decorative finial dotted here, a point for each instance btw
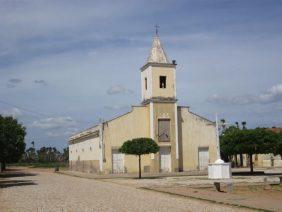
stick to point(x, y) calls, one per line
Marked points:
point(157, 29)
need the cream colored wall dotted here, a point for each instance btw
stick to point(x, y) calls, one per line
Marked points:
point(153, 84)
point(169, 91)
point(264, 160)
point(165, 111)
point(146, 94)
point(131, 125)
point(82, 149)
point(131, 163)
point(195, 132)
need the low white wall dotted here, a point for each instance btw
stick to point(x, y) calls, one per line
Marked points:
point(85, 150)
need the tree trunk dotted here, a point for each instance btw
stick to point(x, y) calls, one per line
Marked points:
point(139, 166)
point(3, 165)
point(251, 163)
point(236, 160)
point(241, 160)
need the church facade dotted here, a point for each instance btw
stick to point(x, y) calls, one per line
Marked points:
point(187, 141)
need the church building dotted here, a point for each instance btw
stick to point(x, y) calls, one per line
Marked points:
point(187, 141)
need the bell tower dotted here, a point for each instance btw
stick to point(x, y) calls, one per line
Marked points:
point(159, 94)
point(158, 75)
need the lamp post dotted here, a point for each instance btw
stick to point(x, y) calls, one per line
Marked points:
point(219, 169)
point(217, 139)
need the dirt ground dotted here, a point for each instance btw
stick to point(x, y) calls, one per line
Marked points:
point(248, 191)
point(251, 196)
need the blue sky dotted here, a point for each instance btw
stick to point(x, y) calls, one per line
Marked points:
point(66, 64)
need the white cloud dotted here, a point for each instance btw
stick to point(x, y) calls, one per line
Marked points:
point(216, 98)
point(119, 89)
point(14, 112)
point(54, 122)
point(272, 95)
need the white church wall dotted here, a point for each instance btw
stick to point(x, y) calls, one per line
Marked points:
point(88, 149)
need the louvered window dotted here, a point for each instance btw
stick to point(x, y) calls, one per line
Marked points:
point(164, 129)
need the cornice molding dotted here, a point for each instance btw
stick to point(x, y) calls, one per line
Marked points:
point(83, 135)
point(159, 100)
point(169, 65)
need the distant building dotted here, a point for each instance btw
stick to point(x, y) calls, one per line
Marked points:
point(187, 141)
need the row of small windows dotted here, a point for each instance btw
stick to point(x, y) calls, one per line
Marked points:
point(90, 148)
point(162, 82)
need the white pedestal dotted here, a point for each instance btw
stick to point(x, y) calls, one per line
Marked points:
point(219, 170)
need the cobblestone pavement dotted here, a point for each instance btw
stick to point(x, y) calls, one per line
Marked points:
point(47, 191)
point(192, 181)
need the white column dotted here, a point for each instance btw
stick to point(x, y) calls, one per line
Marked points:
point(101, 146)
point(152, 125)
point(176, 133)
point(217, 138)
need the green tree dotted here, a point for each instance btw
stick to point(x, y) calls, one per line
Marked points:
point(30, 155)
point(48, 154)
point(248, 141)
point(65, 154)
point(42, 154)
point(228, 140)
point(138, 147)
point(277, 148)
point(12, 143)
point(244, 125)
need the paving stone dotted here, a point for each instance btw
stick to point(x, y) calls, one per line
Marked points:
point(57, 192)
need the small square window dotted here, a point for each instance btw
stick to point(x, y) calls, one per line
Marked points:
point(162, 81)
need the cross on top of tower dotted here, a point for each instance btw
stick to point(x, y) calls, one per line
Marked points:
point(157, 54)
point(157, 29)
